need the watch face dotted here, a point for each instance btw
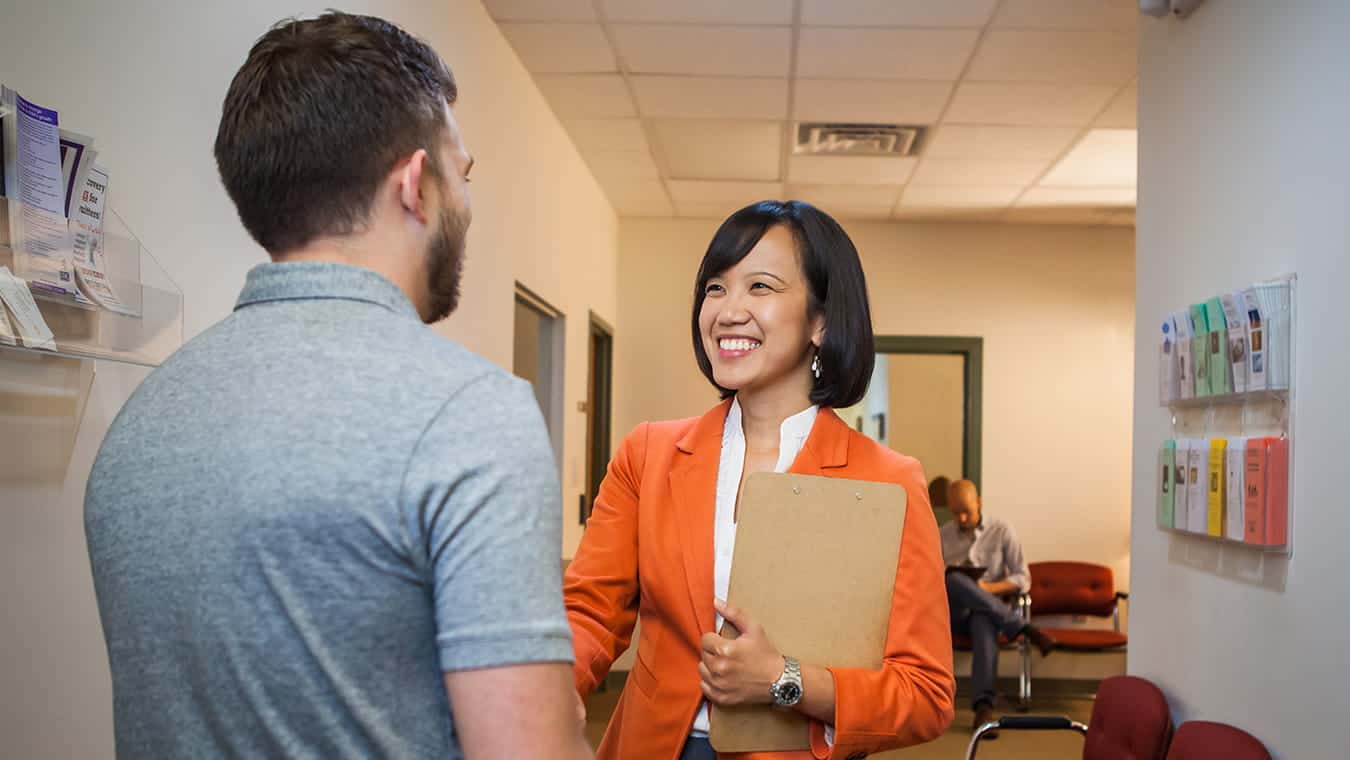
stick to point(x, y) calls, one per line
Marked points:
point(789, 693)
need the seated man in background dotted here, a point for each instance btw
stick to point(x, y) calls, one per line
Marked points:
point(973, 540)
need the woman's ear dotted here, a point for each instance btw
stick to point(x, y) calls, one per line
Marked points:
point(818, 331)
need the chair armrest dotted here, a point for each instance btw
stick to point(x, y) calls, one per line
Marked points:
point(1037, 723)
point(1024, 723)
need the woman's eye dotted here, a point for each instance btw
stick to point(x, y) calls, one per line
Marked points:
point(760, 286)
point(711, 289)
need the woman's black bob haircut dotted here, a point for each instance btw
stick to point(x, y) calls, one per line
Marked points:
point(837, 290)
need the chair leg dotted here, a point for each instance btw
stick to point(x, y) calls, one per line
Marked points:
point(1024, 679)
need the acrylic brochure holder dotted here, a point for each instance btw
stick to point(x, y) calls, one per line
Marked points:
point(1226, 475)
point(46, 382)
point(141, 319)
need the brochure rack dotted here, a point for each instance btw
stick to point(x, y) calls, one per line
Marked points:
point(144, 328)
point(1227, 473)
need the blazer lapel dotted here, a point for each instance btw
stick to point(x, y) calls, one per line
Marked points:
point(826, 447)
point(693, 486)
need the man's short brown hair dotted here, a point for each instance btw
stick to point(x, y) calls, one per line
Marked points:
point(318, 115)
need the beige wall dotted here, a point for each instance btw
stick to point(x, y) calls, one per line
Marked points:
point(1228, 634)
point(147, 78)
point(1055, 306)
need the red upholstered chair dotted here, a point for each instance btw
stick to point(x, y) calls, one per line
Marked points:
point(1130, 721)
point(1203, 740)
point(1078, 588)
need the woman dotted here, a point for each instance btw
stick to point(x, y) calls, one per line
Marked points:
point(781, 327)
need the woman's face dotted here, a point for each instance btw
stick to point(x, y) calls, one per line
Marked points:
point(754, 321)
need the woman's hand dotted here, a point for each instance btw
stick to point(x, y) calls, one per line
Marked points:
point(739, 671)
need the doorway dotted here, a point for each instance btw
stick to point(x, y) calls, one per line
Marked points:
point(538, 358)
point(924, 400)
point(599, 399)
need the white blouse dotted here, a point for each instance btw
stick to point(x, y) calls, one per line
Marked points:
point(791, 438)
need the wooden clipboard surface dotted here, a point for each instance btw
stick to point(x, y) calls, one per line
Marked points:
point(815, 564)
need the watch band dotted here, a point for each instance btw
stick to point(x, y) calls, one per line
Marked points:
point(787, 690)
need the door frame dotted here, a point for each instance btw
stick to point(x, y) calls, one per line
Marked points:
point(973, 351)
point(599, 413)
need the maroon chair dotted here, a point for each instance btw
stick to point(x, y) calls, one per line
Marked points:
point(1078, 588)
point(1203, 740)
point(1130, 721)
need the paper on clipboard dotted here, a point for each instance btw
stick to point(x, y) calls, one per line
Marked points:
point(807, 544)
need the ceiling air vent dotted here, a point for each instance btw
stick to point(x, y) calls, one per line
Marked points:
point(834, 139)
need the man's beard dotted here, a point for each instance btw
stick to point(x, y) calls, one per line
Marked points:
point(445, 266)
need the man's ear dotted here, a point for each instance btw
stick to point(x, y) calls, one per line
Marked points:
point(410, 185)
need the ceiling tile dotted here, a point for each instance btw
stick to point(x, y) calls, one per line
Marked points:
point(1123, 111)
point(949, 215)
point(938, 54)
point(622, 165)
point(729, 195)
point(700, 11)
point(1023, 55)
point(541, 10)
point(846, 196)
point(592, 135)
point(642, 197)
point(849, 170)
point(950, 171)
point(1021, 143)
point(1086, 216)
point(560, 48)
point(1048, 105)
point(705, 210)
point(1103, 158)
point(711, 97)
point(958, 198)
point(586, 96)
point(858, 213)
point(707, 50)
point(743, 150)
point(897, 12)
point(1121, 15)
point(1078, 196)
point(856, 100)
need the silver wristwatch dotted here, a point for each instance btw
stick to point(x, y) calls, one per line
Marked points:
point(787, 690)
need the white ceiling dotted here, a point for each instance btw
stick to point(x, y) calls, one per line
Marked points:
point(686, 107)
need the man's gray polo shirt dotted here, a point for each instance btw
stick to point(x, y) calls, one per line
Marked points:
point(306, 515)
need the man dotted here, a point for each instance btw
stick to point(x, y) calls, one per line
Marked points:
point(320, 530)
point(973, 539)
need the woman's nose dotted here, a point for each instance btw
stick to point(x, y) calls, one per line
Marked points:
point(733, 311)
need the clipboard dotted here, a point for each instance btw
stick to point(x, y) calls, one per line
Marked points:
point(815, 564)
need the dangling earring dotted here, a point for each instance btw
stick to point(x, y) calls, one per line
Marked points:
point(815, 366)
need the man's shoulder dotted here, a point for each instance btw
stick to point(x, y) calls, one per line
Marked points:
point(997, 524)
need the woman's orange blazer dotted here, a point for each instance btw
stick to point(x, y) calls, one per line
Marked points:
point(648, 553)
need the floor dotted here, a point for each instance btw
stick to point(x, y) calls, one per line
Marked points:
point(1028, 745)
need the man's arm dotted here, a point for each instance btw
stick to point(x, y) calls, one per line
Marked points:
point(521, 711)
point(480, 503)
point(1017, 576)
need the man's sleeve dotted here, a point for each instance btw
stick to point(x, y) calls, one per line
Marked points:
point(1014, 561)
point(482, 508)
